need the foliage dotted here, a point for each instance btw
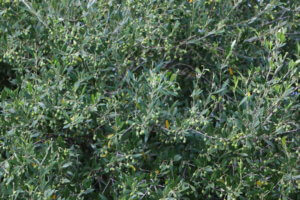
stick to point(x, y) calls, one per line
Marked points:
point(149, 99)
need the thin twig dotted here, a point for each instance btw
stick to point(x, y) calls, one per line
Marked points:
point(106, 186)
point(289, 132)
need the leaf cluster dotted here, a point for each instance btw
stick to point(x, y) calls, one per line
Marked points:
point(149, 99)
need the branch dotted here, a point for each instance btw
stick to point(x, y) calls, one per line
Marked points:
point(289, 132)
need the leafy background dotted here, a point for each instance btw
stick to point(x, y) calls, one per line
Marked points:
point(149, 99)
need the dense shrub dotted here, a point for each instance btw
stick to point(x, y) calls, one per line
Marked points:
point(149, 99)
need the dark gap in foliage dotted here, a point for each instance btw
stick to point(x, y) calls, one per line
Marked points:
point(7, 76)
